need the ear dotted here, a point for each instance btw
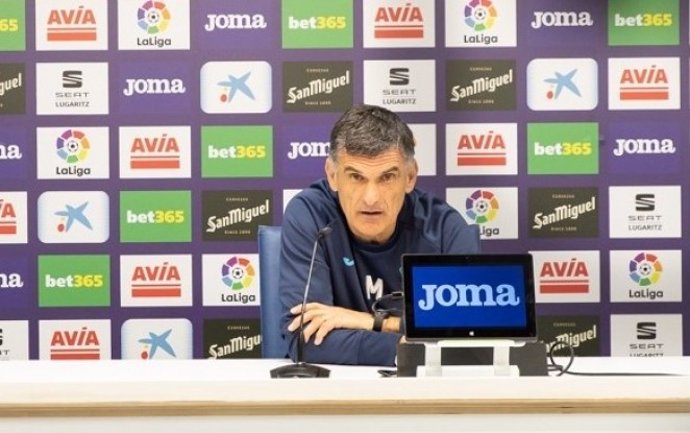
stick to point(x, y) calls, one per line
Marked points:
point(412, 171)
point(331, 172)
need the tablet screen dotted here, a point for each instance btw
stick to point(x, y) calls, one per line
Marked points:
point(469, 296)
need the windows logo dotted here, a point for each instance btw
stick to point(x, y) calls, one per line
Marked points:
point(153, 17)
point(645, 269)
point(480, 15)
point(238, 273)
point(73, 146)
point(481, 206)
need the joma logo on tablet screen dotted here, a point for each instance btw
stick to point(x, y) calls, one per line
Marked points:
point(468, 295)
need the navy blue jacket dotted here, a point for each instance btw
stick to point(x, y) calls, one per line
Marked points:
point(351, 274)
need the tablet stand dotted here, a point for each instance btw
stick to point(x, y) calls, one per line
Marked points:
point(501, 355)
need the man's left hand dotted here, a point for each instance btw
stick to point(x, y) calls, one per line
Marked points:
point(320, 319)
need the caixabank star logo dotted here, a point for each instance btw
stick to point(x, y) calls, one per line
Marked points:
point(12, 88)
point(73, 217)
point(396, 24)
point(228, 339)
point(563, 212)
point(157, 339)
point(158, 280)
point(317, 86)
point(643, 23)
point(230, 279)
point(236, 87)
point(235, 215)
point(13, 25)
point(155, 216)
point(153, 25)
point(155, 152)
point(237, 151)
point(480, 85)
point(74, 340)
point(73, 280)
point(309, 24)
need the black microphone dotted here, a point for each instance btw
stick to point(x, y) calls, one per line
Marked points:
point(299, 368)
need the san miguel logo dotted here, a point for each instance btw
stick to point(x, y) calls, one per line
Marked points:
point(72, 25)
point(480, 85)
point(235, 215)
point(317, 86)
point(75, 344)
point(563, 212)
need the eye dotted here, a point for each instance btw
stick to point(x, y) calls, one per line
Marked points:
point(356, 177)
point(388, 177)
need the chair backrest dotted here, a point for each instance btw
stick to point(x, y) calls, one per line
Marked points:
point(272, 343)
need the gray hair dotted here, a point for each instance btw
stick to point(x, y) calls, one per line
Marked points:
point(368, 130)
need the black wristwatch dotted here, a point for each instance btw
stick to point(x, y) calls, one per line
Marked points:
point(379, 317)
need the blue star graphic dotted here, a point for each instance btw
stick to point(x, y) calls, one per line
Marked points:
point(157, 341)
point(235, 84)
point(75, 214)
point(562, 81)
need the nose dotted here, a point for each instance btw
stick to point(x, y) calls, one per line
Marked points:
point(371, 194)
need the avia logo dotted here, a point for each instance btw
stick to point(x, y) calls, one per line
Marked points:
point(81, 344)
point(11, 281)
point(645, 202)
point(399, 22)
point(154, 86)
point(153, 17)
point(10, 151)
point(468, 295)
point(72, 25)
point(238, 273)
point(645, 269)
point(644, 146)
point(160, 152)
point(561, 19)
point(308, 149)
point(646, 84)
point(8, 84)
point(481, 206)
point(156, 281)
point(154, 342)
point(8, 218)
point(481, 149)
point(73, 146)
point(480, 15)
point(235, 21)
point(564, 277)
point(72, 79)
point(232, 85)
point(646, 330)
point(73, 214)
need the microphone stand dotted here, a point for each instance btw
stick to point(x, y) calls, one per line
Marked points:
point(301, 369)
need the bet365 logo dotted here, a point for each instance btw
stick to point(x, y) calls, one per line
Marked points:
point(74, 281)
point(155, 216)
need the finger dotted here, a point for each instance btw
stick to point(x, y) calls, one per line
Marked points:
point(326, 327)
point(312, 327)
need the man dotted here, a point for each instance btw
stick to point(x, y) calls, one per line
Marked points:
point(375, 214)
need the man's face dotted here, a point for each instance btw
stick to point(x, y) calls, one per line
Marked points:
point(371, 191)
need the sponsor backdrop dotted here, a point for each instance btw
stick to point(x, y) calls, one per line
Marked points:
point(142, 143)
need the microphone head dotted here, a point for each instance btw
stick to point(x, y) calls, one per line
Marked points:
point(323, 232)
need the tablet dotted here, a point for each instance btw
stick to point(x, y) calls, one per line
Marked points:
point(482, 296)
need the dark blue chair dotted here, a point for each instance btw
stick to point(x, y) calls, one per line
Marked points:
point(272, 343)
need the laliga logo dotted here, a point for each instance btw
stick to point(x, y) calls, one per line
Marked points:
point(645, 269)
point(72, 146)
point(481, 207)
point(480, 15)
point(468, 295)
point(153, 17)
point(238, 273)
